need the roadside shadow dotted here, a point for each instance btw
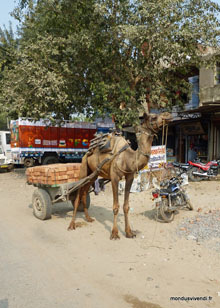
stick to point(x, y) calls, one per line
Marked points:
point(150, 214)
point(62, 209)
point(155, 215)
point(19, 172)
point(4, 303)
point(103, 216)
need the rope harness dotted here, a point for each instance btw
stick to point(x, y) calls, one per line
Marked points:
point(164, 134)
point(142, 131)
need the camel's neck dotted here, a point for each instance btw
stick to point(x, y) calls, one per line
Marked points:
point(144, 149)
point(133, 161)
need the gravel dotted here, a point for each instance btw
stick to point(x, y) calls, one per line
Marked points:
point(204, 228)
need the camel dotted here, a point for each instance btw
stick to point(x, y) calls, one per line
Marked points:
point(121, 161)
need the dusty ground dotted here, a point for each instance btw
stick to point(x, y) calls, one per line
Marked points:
point(44, 265)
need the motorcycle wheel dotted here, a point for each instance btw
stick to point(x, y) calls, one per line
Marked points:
point(195, 178)
point(189, 205)
point(165, 214)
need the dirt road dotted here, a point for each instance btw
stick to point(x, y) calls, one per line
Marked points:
point(44, 265)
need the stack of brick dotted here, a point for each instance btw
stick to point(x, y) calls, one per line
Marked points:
point(53, 174)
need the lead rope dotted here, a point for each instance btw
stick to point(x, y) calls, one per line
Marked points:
point(136, 161)
point(163, 132)
point(166, 135)
point(164, 140)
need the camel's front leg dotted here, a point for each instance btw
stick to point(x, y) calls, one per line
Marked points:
point(129, 181)
point(114, 234)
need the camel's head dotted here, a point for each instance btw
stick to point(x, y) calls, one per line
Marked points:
point(155, 121)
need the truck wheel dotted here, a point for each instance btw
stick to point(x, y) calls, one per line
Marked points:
point(29, 162)
point(42, 205)
point(48, 160)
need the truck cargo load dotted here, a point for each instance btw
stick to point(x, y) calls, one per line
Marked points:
point(39, 142)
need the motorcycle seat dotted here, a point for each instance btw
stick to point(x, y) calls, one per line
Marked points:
point(180, 165)
point(165, 192)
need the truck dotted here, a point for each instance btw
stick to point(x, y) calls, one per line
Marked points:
point(5, 143)
point(5, 151)
point(39, 142)
point(5, 162)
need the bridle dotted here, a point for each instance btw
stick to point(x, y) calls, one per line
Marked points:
point(149, 131)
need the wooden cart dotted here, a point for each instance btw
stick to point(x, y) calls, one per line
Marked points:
point(47, 194)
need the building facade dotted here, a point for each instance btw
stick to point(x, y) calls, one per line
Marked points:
point(196, 130)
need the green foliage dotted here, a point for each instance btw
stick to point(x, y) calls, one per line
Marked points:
point(95, 56)
point(8, 47)
point(3, 121)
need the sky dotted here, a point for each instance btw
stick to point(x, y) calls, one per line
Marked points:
point(6, 6)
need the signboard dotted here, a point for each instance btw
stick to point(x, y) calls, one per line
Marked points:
point(193, 128)
point(158, 158)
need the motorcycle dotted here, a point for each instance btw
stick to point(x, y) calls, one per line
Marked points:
point(199, 171)
point(181, 167)
point(170, 196)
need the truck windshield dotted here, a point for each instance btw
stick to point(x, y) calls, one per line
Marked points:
point(8, 138)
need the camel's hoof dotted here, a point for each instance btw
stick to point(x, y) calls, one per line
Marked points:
point(130, 235)
point(71, 227)
point(89, 219)
point(114, 236)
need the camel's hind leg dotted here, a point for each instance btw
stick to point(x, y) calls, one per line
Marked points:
point(114, 234)
point(80, 193)
point(129, 181)
point(72, 224)
point(84, 197)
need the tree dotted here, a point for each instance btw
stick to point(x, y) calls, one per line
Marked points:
point(8, 47)
point(107, 56)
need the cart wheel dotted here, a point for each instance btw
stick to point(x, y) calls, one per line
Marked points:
point(42, 206)
point(80, 207)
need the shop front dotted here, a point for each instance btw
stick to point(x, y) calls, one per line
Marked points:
point(214, 142)
point(191, 140)
point(196, 140)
